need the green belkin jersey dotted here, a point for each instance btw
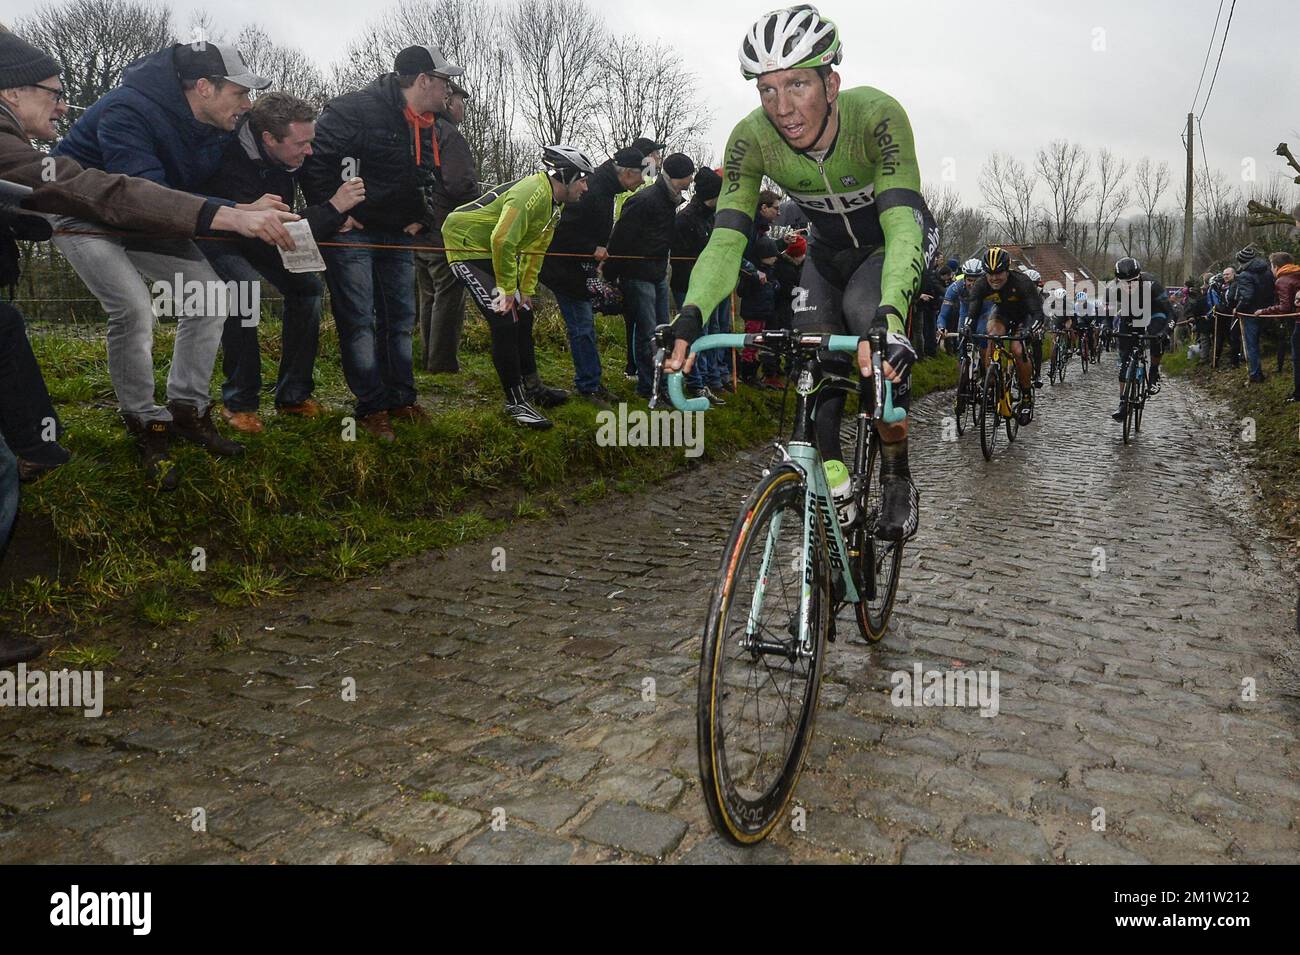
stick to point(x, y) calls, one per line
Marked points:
point(865, 193)
point(515, 223)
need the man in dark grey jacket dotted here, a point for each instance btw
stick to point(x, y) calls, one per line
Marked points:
point(645, 230)
point(1254, 291)
point(441, 296)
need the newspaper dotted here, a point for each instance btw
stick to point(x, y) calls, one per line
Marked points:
point(306, 257)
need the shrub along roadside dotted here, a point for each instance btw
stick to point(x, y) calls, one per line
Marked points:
point(1274, 455)
point(305, 503)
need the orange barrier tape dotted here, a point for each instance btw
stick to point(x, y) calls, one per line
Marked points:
point(377, 245)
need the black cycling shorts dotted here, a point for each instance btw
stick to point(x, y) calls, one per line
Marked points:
point(839, 295)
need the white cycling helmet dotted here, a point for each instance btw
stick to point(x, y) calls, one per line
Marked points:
point(973, 267)
point(567, 162)
point(793, 38)
point(1059, 293)
point(1033, 276)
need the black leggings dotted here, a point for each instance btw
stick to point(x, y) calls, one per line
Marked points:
point(512, 333)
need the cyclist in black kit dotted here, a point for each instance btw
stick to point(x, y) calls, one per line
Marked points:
point(1018, 304)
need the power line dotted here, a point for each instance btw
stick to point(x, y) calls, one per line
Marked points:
point(1208, 48)
point(1210, 92)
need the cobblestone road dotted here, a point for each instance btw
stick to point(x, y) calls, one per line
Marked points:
point(517, 695)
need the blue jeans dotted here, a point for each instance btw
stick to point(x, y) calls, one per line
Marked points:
point(713, 366)
point(647, 304)
point(373, 299)
point(8, 494)
point(1250, 332)
point(580, 324)
point(300, 331)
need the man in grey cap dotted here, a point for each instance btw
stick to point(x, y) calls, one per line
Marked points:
point(384, 133)
point(169, 122)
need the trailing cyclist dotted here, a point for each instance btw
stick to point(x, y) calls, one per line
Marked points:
point(1141, 306)
point(1019, 307)
point(955, 299)
point(514, 223)
point(846, 157)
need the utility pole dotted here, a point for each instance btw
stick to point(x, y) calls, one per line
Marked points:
point(1187, 210)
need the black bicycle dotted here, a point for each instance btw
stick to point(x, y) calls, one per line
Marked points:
point(1136, 385)
point(970, 390)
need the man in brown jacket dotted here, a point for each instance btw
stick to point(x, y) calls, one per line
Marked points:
point(1286, 286)
point(31, 103)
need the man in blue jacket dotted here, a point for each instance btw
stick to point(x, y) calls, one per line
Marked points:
point(168, 122)
point(1254, 291)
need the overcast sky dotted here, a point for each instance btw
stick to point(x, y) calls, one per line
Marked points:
point(1115, 73)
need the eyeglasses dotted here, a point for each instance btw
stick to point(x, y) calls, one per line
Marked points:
point(60, 95)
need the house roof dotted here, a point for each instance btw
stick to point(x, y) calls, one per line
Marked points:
point(1051, 260)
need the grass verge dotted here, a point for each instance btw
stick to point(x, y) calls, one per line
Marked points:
point(303, 502)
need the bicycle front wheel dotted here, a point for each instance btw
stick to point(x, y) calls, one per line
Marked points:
point(1130, 405)
point(758, 682)
point(989, 419)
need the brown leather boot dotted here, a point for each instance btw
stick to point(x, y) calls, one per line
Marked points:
point(189, 425)
point(245, 421)
point(379, 425)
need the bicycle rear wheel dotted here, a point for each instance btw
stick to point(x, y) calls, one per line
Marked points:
point(1013, 422)
point(758, 688)
point(1054, 366)
point(989, 420)
point(876, 563)
point(964, 389)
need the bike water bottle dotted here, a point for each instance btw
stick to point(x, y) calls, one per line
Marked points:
point(841, 484)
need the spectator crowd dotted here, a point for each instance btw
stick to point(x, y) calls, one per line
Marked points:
point(184, 176)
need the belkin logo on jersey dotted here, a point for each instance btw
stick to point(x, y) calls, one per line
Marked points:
point(847, 181)
point(841, 202)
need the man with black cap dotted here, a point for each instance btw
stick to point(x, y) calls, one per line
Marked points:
point(652, 153)
point(383, 133)
point(691, 231)
point(441, 295)
point(168, 122)
point(583, 235)
point(645, 230)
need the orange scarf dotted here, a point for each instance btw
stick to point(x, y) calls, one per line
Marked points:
point(417, 122)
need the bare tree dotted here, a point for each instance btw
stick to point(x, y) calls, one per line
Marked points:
point(967, 232)
point(661, 102)
point(944, 204)
point(1150, 182)
point(557, 50)
point(1064, 168)
point(287, 67)
point(1008, 190)
point(94, 40)
point(1221, 210)
point(1110, 198)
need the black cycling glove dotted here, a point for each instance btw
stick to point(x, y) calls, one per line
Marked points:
point(689, 324)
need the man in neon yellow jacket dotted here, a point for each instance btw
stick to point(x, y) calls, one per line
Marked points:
point(496, 245)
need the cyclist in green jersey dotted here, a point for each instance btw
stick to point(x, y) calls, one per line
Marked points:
point(846, 157)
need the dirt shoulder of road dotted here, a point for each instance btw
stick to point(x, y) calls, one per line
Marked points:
point(1269, 435)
